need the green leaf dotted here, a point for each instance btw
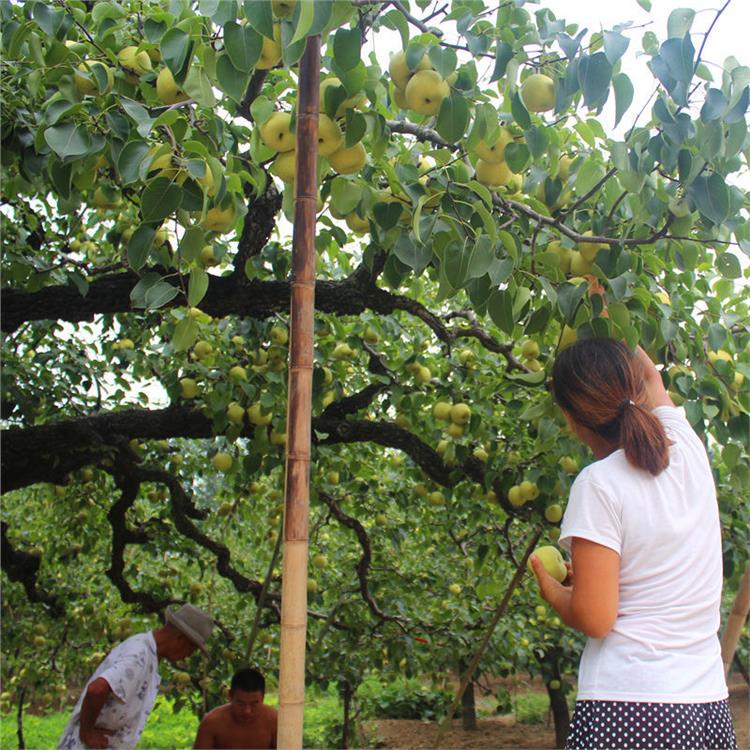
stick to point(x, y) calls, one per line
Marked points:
point(138, 293)
point(737, 113)
point(49, 20)
point(500, 309)
point(197, 286)
point(519, 112)
point(624, 92)
point(192, 243)
point(175, 47)
point(356, 127)
point(615, 45)
point(645, 4)
point(139, 246)
point(568, 297)
point(130, 160)
point(729, 266)
point(517, 156)
point(453, 118)
point(711, 197)
point(233, 82)
point(185, 334)
point(503, 55)
point(304, 20)
point(537, 140)
point(443, 59)
point(679, 22)
point(68, 140)
point(387, 215)
point(61, 176)
point(345, 194)
point(243, 45)
point(714, 106)
point(160, 294)
point(259, 14)
point(594, 76)
point(347, 47)
point(412, 254)
point(588, 175)
point(480, 255)
point(198, 87)
point(160, 198)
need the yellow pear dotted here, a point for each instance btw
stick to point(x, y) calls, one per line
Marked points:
point(330, 137)
point(270, 54)
point(493, 175)
point(494, 153)
point(425, 92)
point(348, 160)
point(167, 89)
point(399, 97)
point(284, 166)
point(399, 70)
point(538, 93)
point(348, 103)
point(134, 61)
point(588, 250)
point(357, 223)
point(578, 264)
point(220, 219)
point(563, 167)
point(563, 253)
point(89, 85)
point(276, 132)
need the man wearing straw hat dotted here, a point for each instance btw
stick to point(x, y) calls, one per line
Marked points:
point(117, 700)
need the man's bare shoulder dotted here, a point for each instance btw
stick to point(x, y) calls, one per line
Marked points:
point(270, 713)
point(217, 715)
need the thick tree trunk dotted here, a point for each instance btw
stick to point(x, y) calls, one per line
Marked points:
point(560, 715)
point(468, 707)
point(19, 720)
point(346, 694)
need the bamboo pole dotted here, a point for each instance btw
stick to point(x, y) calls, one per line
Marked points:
point(299, 407)
point(736, 621)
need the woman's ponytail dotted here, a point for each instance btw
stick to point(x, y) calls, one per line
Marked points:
point(599, 382)
point(643, 439)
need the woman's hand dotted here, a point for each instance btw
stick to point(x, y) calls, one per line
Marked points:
point(549, 588)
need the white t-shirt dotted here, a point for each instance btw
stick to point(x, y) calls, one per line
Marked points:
point(132, 671)
point(664, 645)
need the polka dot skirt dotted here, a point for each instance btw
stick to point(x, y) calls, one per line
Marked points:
point(620, 725)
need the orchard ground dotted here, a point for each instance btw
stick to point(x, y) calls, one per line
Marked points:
point(529, 726)
point(519, 731)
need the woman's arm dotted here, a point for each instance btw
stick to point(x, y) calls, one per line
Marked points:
point(656, 393)
point(591, 604)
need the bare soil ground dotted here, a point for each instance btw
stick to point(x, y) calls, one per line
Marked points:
point(504, 732)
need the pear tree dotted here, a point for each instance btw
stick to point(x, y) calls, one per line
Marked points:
point(489, 190)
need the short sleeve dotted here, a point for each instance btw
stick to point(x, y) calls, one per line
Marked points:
point(591, 514)
point(126, 673)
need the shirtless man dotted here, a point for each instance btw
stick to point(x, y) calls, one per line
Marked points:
point(245, 723)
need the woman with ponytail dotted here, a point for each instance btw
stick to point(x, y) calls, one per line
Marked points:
point(642, 527)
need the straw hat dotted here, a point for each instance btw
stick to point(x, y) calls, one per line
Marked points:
point(193, 622)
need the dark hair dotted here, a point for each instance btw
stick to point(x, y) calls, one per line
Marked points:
point(249, 681)
point(599, 382)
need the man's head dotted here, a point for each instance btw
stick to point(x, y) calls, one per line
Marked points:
point(246, 694)
point(187, 629)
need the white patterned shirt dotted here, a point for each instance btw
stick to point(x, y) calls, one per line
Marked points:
point(132, 672)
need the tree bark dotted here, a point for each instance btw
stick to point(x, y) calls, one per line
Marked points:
point(346, 694)
point(19, 720)
point(560, 714)
point(468, 705)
